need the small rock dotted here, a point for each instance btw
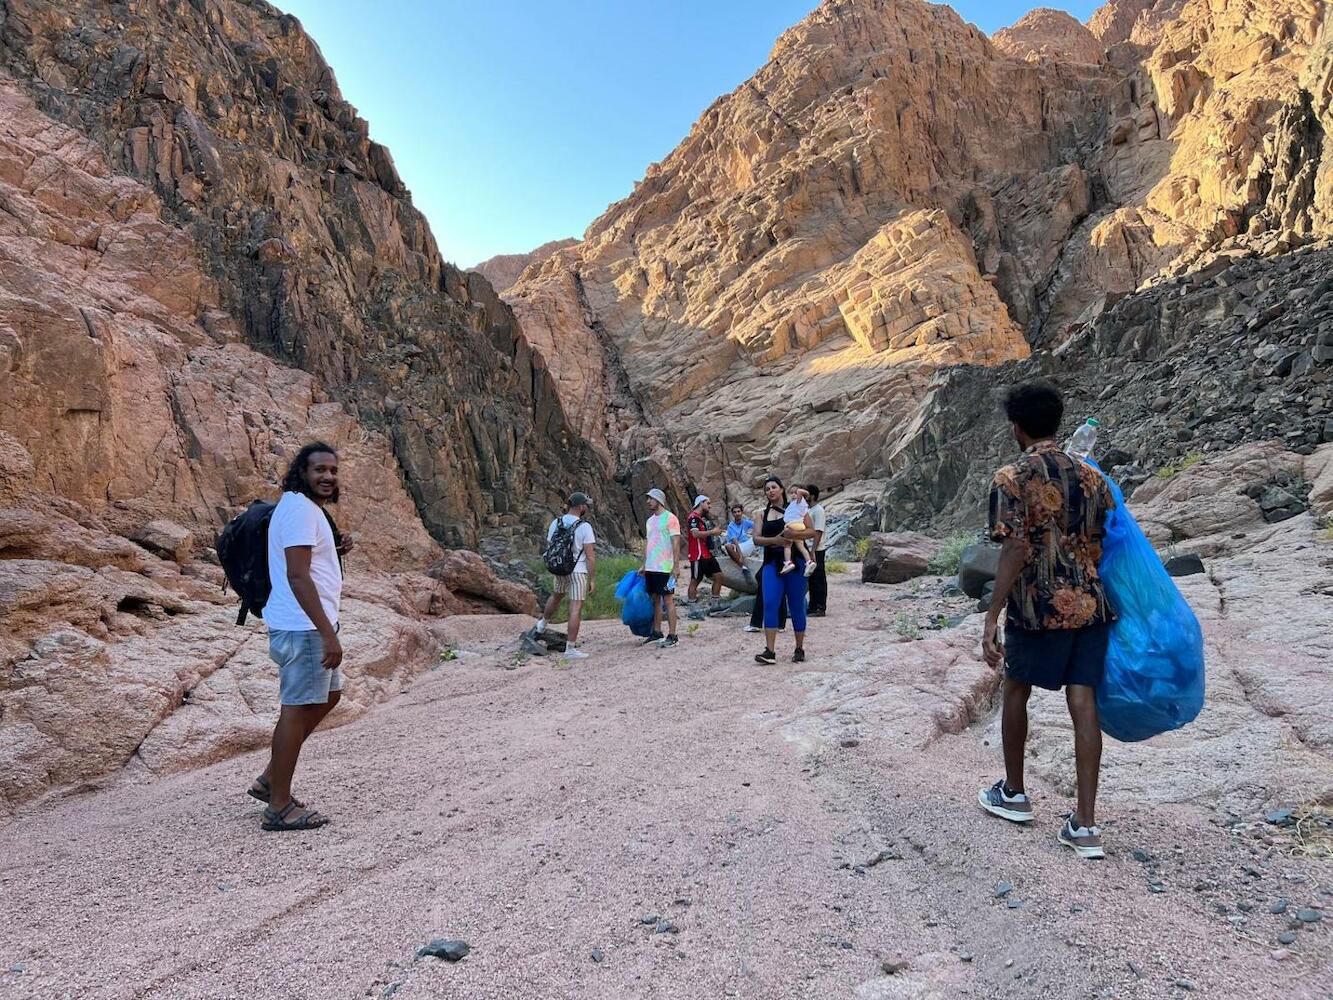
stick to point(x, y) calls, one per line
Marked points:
point(649, 918)
point(893, 968)
point(1279, 817)
point(449, 949)
point(666, 927)
point(1245, 906)
point(1287, 937)
point(1184, 984)
point(850, 742)
point(1014, 904)
point(1279, 955)
point(1134, 969)
point(1187, 565)
point(1002, 889)
point(18, 967)
point(1076, 907)
point(1140, 855)
point(1309, 915)
point(1009, 963)
point(845, 945)
point(1278, 906)
point(964, 956)
point(597, 955)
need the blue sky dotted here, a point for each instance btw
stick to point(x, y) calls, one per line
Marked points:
point(514, 122)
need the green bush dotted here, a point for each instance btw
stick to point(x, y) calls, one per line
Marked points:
point(862, 547)
point(949, 555)
point(602, 603)
point(835, 566)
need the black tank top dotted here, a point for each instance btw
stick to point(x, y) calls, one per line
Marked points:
point(771, 529)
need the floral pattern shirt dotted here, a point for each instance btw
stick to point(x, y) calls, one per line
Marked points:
point(1056, 507)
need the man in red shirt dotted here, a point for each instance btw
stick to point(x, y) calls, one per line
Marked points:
point(701, 533)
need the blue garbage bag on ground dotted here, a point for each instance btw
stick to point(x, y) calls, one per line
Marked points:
point(637, 609)
point(1154, 666)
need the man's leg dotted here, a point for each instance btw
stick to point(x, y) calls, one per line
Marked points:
point(295, 723)
point(717, 586)
point(734, 553)
point(1082, 701)
point(819, 586)
point(671, 612)
point(575, 620)
point(658, 599)
point(693, 592)
point(1014, 731)
point(552, 606)
point(311, 719)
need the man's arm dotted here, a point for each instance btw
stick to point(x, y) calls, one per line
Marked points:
point(1012, 560)
point(590, 554)
point(303, 589)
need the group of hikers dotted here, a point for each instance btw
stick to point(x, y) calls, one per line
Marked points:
point(1047, 510)
point(790, 533)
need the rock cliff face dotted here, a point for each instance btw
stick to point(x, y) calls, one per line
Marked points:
point(227, 112)
point(894, 198)
point(503, 270)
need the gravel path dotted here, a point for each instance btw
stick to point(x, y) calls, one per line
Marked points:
point(792, 832)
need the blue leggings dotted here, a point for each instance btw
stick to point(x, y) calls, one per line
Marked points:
point(792, 586)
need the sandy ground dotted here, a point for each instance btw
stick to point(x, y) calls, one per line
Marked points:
point(709, 827)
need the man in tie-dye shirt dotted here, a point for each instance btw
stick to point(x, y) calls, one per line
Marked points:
point(659, 566)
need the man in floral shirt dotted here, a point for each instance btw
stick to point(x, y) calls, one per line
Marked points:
point(1049, 511)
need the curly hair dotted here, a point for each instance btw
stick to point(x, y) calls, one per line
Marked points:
point(1036, 407)
point(295, 481)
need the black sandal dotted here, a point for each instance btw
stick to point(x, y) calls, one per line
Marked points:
point(276, 822)
point(265, 792)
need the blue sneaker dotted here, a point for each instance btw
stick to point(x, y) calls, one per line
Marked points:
point(998, 801)
point(1085, 840)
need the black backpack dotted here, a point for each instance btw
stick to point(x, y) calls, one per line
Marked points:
point(561, 555)
point(243, 552)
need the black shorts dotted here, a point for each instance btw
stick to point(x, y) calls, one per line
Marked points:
point(1053, 658)
point(705, 567)
point(657, 582)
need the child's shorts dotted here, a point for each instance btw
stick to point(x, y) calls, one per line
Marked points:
point(795, 526)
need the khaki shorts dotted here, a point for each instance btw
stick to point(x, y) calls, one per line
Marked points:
point(575, 585)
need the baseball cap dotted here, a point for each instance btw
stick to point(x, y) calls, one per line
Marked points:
point(698, 500)
point(657, 495)
point(577, 499)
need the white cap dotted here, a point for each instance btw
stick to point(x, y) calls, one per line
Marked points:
point(657, 495)
point(700, 499)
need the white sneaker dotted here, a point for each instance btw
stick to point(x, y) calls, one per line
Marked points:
point(1085, 840)
point(573, 653)
point(540, 627)
point(810, 567)
point(753, 628)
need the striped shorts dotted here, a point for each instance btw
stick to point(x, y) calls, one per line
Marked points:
point(575, 585)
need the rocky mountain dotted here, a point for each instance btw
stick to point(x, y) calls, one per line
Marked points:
point(809, 282)
point(226, 111)
point(504, 269)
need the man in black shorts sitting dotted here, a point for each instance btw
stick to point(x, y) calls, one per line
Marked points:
point(1049, 511)
point(703, 536)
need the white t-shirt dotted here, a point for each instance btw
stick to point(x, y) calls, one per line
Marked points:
point(582, 536)
point(820, 521)
point(297, 520)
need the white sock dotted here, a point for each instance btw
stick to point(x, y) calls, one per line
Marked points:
point(540, 627)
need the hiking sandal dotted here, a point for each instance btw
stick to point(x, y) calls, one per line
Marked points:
point(276, 822)
point(265, 791)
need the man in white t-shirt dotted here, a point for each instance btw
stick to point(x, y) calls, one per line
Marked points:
point(818, 579)
point(579, 584)
point(305, 571)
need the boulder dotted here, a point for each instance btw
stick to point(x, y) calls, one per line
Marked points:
point(166, 539)
point(465, 573)
point(977, 567)
point(734, 579)
point(894, 557)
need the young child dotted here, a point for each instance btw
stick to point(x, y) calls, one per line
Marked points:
point(794, 516)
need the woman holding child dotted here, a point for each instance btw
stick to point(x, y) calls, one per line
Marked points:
point(784, 570)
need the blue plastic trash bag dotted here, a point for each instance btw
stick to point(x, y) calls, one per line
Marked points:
point(637, 610)
point(1154, 666)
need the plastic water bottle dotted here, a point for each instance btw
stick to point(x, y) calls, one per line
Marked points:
point(1084, 440)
